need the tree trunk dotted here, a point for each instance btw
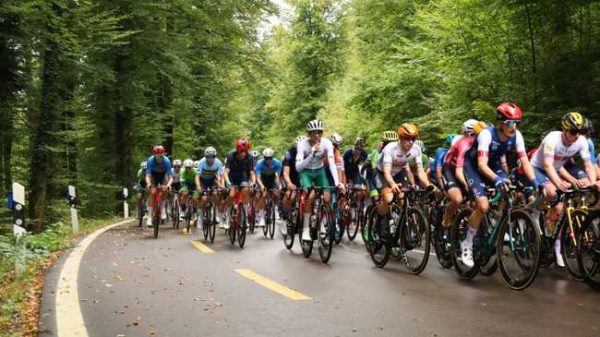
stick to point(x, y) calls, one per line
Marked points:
point(123, 121)
point(43, 138)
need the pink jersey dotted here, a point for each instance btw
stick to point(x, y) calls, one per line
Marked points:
point(456, 155)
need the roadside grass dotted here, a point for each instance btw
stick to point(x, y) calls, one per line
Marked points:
point(20, 294)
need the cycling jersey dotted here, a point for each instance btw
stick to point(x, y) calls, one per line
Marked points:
point(306, 158)
point(488, 144)
point(351, 165)
point(162, 167)
point(592, 150)
point(188, 177)
point(395, 157)
point(239, 169)
point(552, 146)
point(289, 160)
point(176, 176)
point(456, 155)
point(424, 162)
point(268, 171)
point(209, 172)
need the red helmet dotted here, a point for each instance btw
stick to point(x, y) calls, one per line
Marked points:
point(158, 149)
point(509, 111)
point(242, 144)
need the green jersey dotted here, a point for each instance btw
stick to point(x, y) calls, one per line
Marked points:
point(188, 176)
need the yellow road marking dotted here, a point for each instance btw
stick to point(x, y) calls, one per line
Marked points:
point(201, 247)
point(185, 231)
point(274, 286)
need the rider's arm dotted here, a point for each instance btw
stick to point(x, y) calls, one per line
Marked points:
point(387, 175)
point(422, 176)
point(331, 162)
point(504, 164)
point(549, 164)
point(484, 140)
point(302, 163)
point(565, 175)
point(439, 175)
point(286, 175)
point(586, 156)
point(410, 175)
point(459, 173)
point(149, 168)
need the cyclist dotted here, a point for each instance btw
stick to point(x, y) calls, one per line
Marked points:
point(412, 175)
point(354, 158)
point(436, 166)
point(392, 166)
point(176, 184)
point(159, 178)
point(188, 185)
point(336, 139)
point(290, 178)
point(239, 172)
point(486, 163)
point(369, 168)
point(209, 176)
point(255, 158)
point(310, 165)
point(140, 183)
point(268, 171)
point(556, 149)
point(453, 169)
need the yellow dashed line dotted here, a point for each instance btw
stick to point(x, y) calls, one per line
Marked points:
point(274, 286)
point(201, 247)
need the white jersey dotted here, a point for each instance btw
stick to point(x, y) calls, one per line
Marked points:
point(395, 157)
point(307, 158)
point(175, 177)
point(552, 146)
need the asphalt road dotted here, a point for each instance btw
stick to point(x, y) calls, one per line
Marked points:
point(133, 285)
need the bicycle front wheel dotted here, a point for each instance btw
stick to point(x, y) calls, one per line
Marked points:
point(518, 248)
point(241, 227)
point(415, 236)
point(378, 239)
point(272, 221)
point(326, 232)
point(588, 250)
point(568, 242)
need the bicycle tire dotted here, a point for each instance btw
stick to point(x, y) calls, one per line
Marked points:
point(291, 223)
point(415, 238)
point(325, 238)
point(568, 248)
point(242, 228)
point(588, 250)
point(379, 238)
point(232, 223)
point(272, 221)
point(524, 245)
point(354, 225)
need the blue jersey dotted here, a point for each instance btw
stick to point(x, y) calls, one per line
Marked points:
point(488, 144)
point(209, 172)
point(592, 151)
point(164, 167)
point(265, 170)
point(440, 156)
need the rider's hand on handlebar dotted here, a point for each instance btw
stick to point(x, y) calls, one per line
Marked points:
point(342, 188)
point(396, 188)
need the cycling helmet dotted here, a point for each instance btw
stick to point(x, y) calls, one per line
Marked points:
point(300, 139)
point(242, 144)
point(210, 152)
point(359, 141)
point(158, 149)
point(421, 145)
point(315, 125)
point(573, 121)
point(196, 162)
point(188, 163)
point(509, 111)
point(450, 138)
point(176, 162)
point(143, 165)
point(468, 125)
point(336, 139)
point(254, 154)
point(478, 127)
point(389, 136)
point(268, 153)
point(408, 130)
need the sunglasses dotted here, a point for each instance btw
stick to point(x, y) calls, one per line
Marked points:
point(268, 158)
point(511, 123)
point(574, 132)
point(315, 133)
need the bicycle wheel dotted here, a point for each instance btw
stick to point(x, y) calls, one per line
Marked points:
point(266, 211)
point(415, 236)
point(354, 226)
point(588, 250)
point(242, 227)
point(251, 216)
point(212, 224)
point(140, 214)
point(272, 221)
point(291, 223)
point(458, 232)
point(205, 214)
point(568, 242)
point(518, 248)
point(306, 245)
point(155, 224)
point(441, 246)
point(379, 239)
point(175, 216)
point(364, 224)
point(232, 224)
point(324, 221)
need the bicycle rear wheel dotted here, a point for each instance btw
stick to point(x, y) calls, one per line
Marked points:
point(205, 214)
point(272, 221)
point(458, 233)
point(242, 227)
point(155, 224)
point(568, 242)
point(324, 220)
point(232, 225)
point(140, 214)
point(175, 215)
point(354, 225)
point(588, 250)
point(212, 224)
point(266, 211)
point(518, 250)
point(379, 240)
point(291, 223)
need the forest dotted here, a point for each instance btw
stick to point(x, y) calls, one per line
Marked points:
point(87, 87)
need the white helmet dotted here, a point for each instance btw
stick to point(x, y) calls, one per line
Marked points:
point(177, 162)
point(254, 154)
point(268, 152)
point(299, 139)
point(315, 125)
point(210, 151)
point(143, 165)
point(421, 145)
point(188, 163)
point(468, 126)
point(336, 139)
point(196, 162)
